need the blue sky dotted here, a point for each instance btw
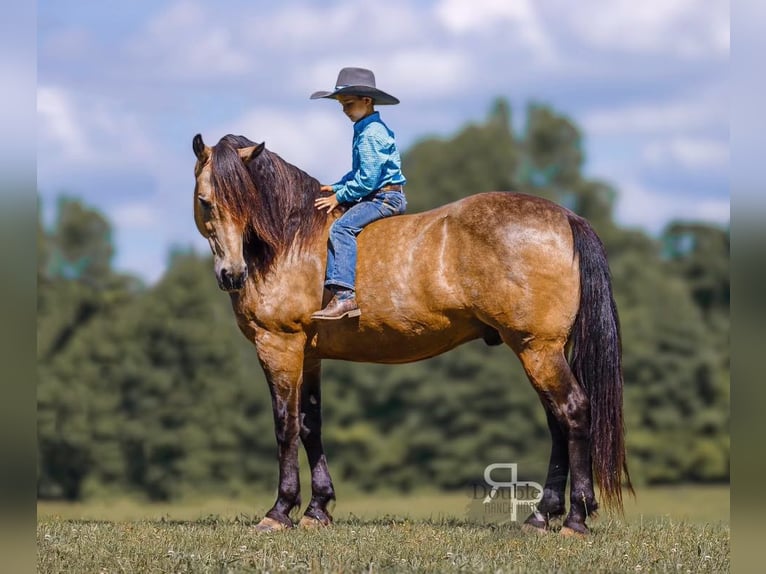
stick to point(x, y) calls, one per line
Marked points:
point(123, 88)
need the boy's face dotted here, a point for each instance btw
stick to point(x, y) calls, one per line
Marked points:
point(356, 107)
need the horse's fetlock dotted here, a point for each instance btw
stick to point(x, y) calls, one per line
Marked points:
point(585, 500)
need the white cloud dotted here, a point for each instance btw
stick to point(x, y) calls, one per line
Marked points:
point(361, 24)
point(429, 73)
point(658, 117)
point(688, 152)
point(718, 211)
point(58, 125)
point(479, 16)
point(640, 206)
point(78, 130)
point(317, 141)
point(685, 28)
point(186, 41)
point(135, 216)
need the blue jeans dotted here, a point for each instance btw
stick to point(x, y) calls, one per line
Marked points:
point(341, 246)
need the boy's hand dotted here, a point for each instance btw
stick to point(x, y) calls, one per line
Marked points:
point(327, 203)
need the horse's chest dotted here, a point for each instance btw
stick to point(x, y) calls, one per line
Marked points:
point(269, 310)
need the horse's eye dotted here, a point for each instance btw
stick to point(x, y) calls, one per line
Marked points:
point(204, 202)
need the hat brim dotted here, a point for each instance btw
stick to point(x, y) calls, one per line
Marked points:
point(380, 97)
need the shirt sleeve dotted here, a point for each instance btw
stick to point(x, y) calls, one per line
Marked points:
point(343, 180)
point(372, 157)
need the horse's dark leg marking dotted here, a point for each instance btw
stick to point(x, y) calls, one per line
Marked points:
point(286, 424)
point(552, 504)
point(322, 491)
point(285, 400)
point(566, 400)
point(583, 503)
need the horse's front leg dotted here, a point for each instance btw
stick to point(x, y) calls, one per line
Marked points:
point(322, 491)
point(282, 361)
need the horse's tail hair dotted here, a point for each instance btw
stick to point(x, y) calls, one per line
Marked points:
point(596, 361)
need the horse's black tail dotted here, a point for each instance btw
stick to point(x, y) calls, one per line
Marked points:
point(596, 361)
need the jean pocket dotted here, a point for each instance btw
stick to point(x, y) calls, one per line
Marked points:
point(393, 202)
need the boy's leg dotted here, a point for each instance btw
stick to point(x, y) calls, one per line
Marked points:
point(341, 268)
point(341, 258)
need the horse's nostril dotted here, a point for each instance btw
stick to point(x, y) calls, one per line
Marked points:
point(231, 279)
point(225, 279)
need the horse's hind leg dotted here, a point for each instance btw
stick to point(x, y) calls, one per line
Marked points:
point(552, 504)
point(548, 371)
point(322, 491)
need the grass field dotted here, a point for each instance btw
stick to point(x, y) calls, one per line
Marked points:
point(666, 530)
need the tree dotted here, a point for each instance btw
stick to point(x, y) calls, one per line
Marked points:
point(82, 246)
point(78, 294)
point(699, 253)
point(676, 396)
point(553, 154)
point(188, 399)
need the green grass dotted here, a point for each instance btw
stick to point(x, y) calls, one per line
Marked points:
point(677, 530)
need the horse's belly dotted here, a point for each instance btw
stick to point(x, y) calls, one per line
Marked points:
point(405, 341)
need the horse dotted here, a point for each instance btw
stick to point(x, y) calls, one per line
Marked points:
point(509, 268)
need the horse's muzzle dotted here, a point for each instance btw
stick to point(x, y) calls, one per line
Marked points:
point(231, 281)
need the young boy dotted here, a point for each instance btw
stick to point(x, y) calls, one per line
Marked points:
point(374, 187)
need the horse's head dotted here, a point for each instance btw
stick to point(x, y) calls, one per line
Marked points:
point(220, 219)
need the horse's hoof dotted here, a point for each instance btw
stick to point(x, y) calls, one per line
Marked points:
point(268, 524)
point(568, 532)
point(536, 523)
point(309, 522)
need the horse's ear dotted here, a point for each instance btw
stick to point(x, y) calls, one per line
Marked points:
point(200, 149)
point(249, 153)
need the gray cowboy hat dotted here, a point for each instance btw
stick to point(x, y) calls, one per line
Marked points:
point(357, 82)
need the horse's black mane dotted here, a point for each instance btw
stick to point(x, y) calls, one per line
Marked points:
point(272, 199)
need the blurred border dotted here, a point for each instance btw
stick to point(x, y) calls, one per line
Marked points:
point(18, 235)
point(18, 300)
point(748, 281)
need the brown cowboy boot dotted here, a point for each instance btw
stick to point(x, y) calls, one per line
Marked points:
point(338, 308)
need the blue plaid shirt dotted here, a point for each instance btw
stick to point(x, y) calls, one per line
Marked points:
point(375, 161)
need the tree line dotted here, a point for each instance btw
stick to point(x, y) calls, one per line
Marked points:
point(152, 390)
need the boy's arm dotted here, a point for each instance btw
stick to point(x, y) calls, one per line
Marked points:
point(357, 184)
point(343, 179)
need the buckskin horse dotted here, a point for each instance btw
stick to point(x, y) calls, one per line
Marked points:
point(506, 267)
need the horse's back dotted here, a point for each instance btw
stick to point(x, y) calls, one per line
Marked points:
point(484, 215)
point(484, 233)
point(499, 260)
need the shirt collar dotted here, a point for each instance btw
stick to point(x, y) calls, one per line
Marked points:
point(364, 122)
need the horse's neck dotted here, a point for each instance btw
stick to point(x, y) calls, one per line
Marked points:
point(301, 266)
